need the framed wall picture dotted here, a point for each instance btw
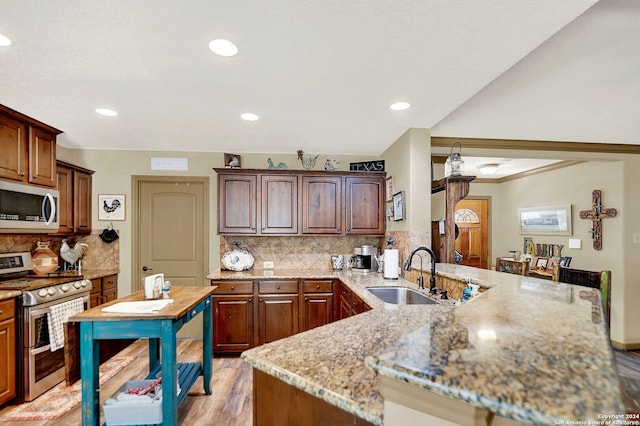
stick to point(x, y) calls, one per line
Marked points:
point(548, 220)
point(232, 161)
point(398, 206)
point(390, 184)
point(111, 207)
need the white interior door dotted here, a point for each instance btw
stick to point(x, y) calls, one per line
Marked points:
point(171, 233)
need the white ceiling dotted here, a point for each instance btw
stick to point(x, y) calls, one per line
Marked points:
point(321, 74)
point(506, 166)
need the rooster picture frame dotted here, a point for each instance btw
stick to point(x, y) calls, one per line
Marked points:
point(111, 207)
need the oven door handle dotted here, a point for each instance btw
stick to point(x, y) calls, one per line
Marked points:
point(39, 312)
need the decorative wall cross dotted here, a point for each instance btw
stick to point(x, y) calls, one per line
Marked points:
point(596, 214)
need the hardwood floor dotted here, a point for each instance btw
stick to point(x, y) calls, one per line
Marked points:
point(231, 401)
point(628, 363)
point(629, 370)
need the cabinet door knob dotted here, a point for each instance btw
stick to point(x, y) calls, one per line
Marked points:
point(1, 312)
point(250, 300)
point(317, 286)
point(278, 287)
point(194, 312)
point(233, 288)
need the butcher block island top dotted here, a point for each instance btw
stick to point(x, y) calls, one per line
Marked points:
point(183, 299)
point(527, 349)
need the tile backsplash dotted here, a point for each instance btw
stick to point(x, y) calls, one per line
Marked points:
point(97, 256)
point(297, 252)
point(315, 252)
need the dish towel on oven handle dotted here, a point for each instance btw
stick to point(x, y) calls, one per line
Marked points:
point(57, 316)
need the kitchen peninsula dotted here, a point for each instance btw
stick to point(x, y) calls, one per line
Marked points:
point(526, 349)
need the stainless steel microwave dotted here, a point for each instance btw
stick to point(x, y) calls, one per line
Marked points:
point(28, 209)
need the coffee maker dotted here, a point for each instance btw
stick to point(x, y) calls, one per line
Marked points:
point(364, 259)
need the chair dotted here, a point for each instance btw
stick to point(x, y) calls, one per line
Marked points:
point(600, 280)
point(512, 266)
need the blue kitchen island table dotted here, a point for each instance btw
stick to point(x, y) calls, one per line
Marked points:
point(160, 328)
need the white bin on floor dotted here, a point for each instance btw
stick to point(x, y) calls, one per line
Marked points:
point(138, 411)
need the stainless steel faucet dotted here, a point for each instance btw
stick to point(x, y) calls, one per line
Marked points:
point(432, 280)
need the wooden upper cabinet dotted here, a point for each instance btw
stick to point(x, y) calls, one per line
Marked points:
point(74, 205)
point(82, 202)
point(65, 202)
point(364, 196)
point(279, 204)
point(237, 203)
point(13, 145)
point(295, 202)
point(28, 149)
point(42, 157)
point(322, 205)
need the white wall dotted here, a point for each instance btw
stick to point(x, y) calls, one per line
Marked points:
point(571, 185)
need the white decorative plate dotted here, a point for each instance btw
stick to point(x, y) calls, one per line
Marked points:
point(237, 260)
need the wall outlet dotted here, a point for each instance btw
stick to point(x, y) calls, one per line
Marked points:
point(267, 265)
point(636, 238)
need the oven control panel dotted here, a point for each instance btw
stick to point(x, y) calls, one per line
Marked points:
point(56, 292)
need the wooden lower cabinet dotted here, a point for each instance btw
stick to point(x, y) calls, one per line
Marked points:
point(278, 302)
point(342, 297)
point(317, 308)
point(103, 290)
point(7, 350)
point(248, 313)
point(233, 314)
point(240, 324)
point(232, 323)
point(109, 288)
point(347, 302)
point(278, 403)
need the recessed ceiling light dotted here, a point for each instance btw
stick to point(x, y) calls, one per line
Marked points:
point(4, 40)
point(223, 47)
point(106, 112)
point(400, 106)
point(249, 116)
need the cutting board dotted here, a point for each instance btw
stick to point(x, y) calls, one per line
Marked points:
point(44, 259)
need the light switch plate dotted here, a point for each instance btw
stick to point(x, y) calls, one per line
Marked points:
point(575, 243)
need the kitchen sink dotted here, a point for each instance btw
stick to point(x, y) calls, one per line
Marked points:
point(400, 296)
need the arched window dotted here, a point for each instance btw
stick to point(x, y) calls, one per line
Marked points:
point(466, 215)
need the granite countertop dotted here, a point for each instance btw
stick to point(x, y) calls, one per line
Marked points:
point(9, 294)
point(91, 274)
point(527, 348)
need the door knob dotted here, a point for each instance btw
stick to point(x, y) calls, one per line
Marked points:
point(144, 268)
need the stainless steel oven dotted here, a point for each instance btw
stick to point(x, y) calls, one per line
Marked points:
point(43, 368)
point(39, 368)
